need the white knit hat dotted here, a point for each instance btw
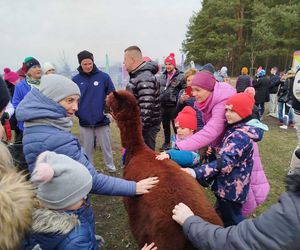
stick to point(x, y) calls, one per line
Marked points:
point(47, 66)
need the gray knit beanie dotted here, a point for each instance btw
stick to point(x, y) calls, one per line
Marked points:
point(57, 87)
point(61, 181)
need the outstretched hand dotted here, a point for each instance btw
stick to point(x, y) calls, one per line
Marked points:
point(181, 212)
point(162, 156)
point(144, 186)
point(149, 247)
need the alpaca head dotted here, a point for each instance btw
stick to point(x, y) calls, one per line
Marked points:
point(125, 110)
point(123, 106)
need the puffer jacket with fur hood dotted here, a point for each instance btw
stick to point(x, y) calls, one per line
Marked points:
point(16, 206)
point(70, 230)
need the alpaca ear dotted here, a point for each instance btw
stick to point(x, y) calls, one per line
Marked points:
point(116, 95)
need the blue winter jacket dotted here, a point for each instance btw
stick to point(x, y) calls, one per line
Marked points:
point(232, 169)
point(81, 237)
point(94, 88)
point(21, 90)
point(39, 138)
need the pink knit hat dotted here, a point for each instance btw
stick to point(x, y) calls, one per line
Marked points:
point(171, 59)
point(204, 80)
point(10, 76)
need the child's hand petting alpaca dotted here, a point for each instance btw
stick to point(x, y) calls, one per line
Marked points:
point(162, 156)
point(144, 186)
point(181, 212)
point(149, 247)
point(189, 171)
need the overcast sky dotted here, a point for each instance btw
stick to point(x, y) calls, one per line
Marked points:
point(44, 29)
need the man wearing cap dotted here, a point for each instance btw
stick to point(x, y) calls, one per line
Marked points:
point(171, 82)
point(94, 86)
point(33, 71)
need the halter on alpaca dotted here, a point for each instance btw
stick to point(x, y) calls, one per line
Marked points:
point(150, 215)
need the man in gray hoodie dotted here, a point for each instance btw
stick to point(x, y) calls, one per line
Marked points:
point(276, 228)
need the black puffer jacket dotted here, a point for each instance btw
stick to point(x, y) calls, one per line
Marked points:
point(169, 94)
point(274, 83)
point(261, 86)
point(145, 87)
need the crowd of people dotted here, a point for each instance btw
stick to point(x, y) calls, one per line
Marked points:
point(215, 129)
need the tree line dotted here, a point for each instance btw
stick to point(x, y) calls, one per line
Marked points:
point(238, 33)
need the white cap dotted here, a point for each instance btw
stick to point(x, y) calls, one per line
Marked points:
point(47, 66)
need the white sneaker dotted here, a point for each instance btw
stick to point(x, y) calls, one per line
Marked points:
point(284, 127)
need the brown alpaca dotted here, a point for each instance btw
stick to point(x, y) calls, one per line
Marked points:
point(150, 215)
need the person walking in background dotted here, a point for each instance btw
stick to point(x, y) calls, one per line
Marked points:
point(33, 71)
point(48, 68)
point(285, 99)
point(243, 81)
point(261, 85)
point(94, 86)
point(145, 87)
point(171, 82)
point(273, 89)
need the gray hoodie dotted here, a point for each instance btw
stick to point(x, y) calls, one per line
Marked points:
point(276, 228)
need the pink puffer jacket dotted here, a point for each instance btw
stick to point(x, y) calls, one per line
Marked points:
point(259, 185)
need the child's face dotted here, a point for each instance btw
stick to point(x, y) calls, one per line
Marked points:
point(200, 94)
point(231, 116)
point(189, 80)
point(182, 133)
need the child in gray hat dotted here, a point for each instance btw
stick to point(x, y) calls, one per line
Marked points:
point(64, 220)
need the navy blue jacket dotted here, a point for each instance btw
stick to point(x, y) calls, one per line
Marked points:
point(21, 90)
point(82, 237)
point(39, 138)
point(94, 88)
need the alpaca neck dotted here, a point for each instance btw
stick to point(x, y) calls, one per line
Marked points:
point(131, 135)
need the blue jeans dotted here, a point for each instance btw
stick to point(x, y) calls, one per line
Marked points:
point(288, 110)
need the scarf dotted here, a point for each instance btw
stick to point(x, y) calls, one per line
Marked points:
point(33, 83)
point(63, 123)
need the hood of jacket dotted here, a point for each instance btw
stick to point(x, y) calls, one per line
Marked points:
point(35, 105)
point(254, 132)
point(49, 228)
point(145, 66)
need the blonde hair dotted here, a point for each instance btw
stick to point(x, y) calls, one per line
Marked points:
point(190, 72)
point(16, 207)
point(6, 161)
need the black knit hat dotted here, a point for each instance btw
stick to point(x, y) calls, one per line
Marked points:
point(4, 95)
point(30, 62)
point(85, 55)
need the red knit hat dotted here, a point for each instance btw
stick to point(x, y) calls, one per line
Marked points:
point(187, 118)
point(10, 76)
point(204, 80)
point(171, 59)
point(241, 103)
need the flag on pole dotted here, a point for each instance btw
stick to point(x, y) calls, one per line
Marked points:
point(106, 64)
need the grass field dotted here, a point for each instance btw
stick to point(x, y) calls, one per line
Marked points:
point(111, 219)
